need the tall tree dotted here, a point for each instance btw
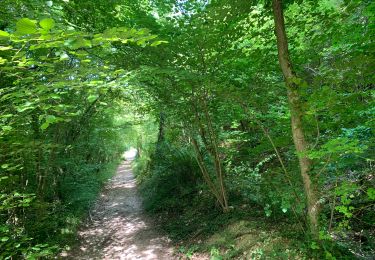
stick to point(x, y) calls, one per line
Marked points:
point(293, 83)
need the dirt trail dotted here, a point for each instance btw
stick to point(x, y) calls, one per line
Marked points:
point(118, 228)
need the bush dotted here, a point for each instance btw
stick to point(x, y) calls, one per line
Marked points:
point(169, 179)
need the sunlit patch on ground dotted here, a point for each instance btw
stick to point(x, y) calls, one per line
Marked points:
point(118, 229)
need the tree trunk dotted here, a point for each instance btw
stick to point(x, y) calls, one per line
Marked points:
point(215, 154)
point(296, 115)
point(161, 127)
point(209, 139)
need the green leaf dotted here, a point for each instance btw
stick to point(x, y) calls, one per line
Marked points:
point(371, 193)
point(4, 178)
point(92, 98)
point(156, 43)
point(55, 96)
point(4, 239)
point(5, 48)
point(267, 210)
point(50, 119)
point(27, 106)
point(2, 61)
point(4, 166)
point(344, 210)
point(314, 245)
point(80, 43)
point(7, 128)
point(47, 23)
point(64, 56)
point(44, 126)
point(26, 26)
point(4, 34)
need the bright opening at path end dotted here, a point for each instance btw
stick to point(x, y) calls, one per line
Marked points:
point(130, 154)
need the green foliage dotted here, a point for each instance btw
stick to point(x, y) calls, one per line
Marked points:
point(238, 78)
point(168, 181)
point(206, 107)
point(58, 135)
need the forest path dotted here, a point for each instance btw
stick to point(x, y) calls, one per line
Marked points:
point(118, 228)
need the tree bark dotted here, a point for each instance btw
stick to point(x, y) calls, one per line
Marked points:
point(161, 127)
point(215, 155)
point(207, 134)
point(294, 100)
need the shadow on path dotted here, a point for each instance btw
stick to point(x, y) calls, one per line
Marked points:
point(118, 227)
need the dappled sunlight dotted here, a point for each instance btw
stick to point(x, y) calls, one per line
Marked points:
point(118, 229)
point(127, 184)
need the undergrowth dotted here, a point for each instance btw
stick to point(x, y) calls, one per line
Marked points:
point(80, 194)
point(54, 224)
point(173, 190)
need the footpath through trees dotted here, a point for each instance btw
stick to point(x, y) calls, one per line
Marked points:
point(118, 228)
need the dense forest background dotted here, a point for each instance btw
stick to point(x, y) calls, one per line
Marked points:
point(252, 120)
